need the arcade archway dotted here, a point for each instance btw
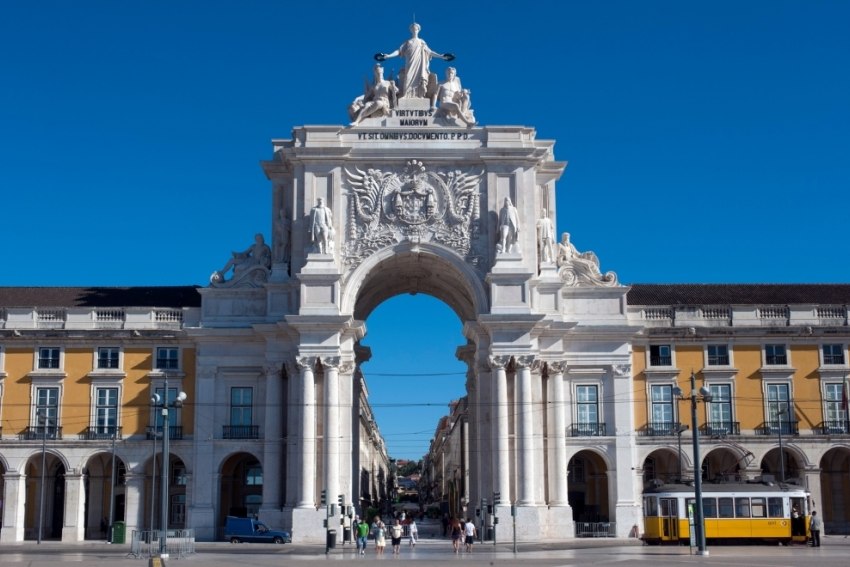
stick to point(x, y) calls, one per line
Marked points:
point(99, 490)
point(587, 479)
point(835, 490)
point(51, 521)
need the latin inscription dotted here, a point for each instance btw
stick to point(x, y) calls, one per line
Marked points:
point(404, 136)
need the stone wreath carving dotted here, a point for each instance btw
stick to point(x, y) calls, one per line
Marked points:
point(416, 205)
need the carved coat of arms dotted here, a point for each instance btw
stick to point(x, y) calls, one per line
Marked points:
point(418, 205)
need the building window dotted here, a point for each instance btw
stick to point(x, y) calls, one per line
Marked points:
point(47, 404)
point(178, 476)
point(587, 398)
point(254, 476)
point(241, 406)
point(662, 410)
point(576, 470)
point(834, 412)
point(774, 355)
point(48, 358)
point(178, 510)
point(720, 409)
point(718, 355)
point(108, 358)
point(660, 355)
point(833, 354)
point(106, 411)
point(779, 407)
point(167, 358)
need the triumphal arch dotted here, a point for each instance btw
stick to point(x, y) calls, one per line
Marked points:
point(415, 195)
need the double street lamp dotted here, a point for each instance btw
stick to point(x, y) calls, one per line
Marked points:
point(699, 518)
point(164, 404)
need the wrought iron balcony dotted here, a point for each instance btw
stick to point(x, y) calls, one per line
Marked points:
point(241, 432)
point(174, 432)
point(777, 427)
point(660, 360)
point(671, 428)
point(721, 428)
point(36, 432)
point(101, 432)
point(587, 430)
point(834, 428)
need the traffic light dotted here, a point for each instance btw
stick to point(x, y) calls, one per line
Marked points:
point(341, 500)
point(497, 498)
point(324, 497)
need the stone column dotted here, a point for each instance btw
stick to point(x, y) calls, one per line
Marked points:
point(307, 490)
point(200, 509)
point(501, 447)
point(272, 434)
point(75, 505)
point(14, 507)
point(525, 433)
point(558, 449)
point(133, 508)
point(331, 422)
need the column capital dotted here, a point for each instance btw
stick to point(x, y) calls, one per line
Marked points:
point(497, 362)
point(306, 362)
point(621, 370)
point(556, 366)
point(527, 361)
point(273, 370)
point(331, 362)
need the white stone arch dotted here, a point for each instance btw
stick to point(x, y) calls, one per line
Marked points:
point(421, 268)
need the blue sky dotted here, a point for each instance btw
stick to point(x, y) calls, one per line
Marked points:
point(708, 141)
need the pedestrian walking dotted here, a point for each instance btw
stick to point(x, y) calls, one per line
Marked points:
point(396, 531)
point(413, 531)
point(362, 536)
point(457, 534)
point(469, 533)
point(380, 531)
point(815, 526)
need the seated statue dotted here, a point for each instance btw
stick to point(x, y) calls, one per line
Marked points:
point(377, 101)
point(580, 267)
point(258, 255)
point(454, 99)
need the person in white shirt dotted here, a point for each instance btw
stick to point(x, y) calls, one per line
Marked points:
point(469, 532)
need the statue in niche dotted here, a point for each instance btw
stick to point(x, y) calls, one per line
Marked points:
point(454, 99)
point(321, 228)
point(580, 267)
point(508, 227)
point(256, 260)
point(416, 78)
point(545, 238)
point(378, 100)
point(281, 243)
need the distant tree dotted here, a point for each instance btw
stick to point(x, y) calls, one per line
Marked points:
point(409, 468)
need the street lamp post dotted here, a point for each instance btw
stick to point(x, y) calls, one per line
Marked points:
point(779, 415)
point(42, 422)
point(164, 404)
point(699, 518)
point(112, 490)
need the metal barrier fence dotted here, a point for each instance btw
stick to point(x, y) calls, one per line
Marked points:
point(596, 529)
point(146, 543)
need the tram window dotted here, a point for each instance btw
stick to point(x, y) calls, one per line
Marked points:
point(758, 508)
point(709, 508)
point(742, 507)
point(774, 507)
point(651, 506)
point(725, 507)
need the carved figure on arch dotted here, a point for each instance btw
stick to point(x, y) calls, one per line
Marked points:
point(508, 228)
point(250, 266)
point(321, 228)
point(416, 79)
point(546, 239)
point(283, 229)
point(454, 99)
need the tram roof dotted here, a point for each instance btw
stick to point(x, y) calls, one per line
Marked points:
point(711, 487)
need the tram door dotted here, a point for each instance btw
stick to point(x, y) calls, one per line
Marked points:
point(670, 518)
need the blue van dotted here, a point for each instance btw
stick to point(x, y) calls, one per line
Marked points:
point(249, 530)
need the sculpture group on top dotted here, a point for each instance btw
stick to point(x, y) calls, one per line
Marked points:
point(414, 82)
point(581, 268)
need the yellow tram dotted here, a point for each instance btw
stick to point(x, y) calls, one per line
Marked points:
point(733, 511)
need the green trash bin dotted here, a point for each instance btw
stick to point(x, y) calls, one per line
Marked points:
point(119, 532)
